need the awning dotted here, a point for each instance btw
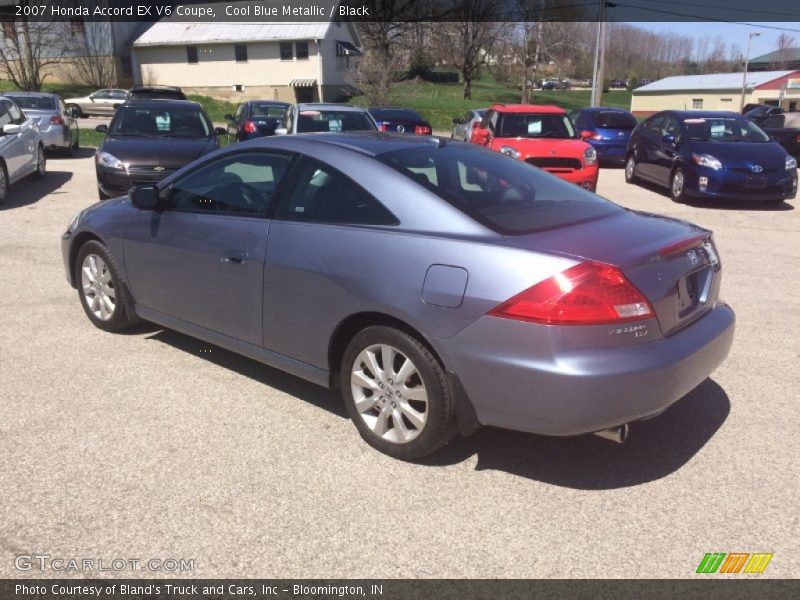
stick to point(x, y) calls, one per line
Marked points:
point(346, 49)
point(303, 83)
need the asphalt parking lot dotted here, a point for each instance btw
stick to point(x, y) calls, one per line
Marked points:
point(150, 444)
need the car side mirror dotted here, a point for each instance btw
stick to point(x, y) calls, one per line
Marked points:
point(144, 197)
point(11, 129)
point(102, 128)
point(220, 131)
point(281, 131)
point(228, 117)
point(668, 139)
point(586, 134)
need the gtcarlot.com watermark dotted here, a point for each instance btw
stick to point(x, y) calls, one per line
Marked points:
point(62, 564)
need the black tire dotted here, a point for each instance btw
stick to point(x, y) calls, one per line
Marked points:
point(630, 169)
point(439, 426)
point(77, 145)
point(122, 314)
point(3, 184)
point(102, 196)
point(74, 111)
point(41, 164)
point(678, 191)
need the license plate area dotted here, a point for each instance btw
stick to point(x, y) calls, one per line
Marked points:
point(693, 290)
point(755, 182)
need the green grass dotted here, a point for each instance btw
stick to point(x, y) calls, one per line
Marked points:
point(440, 102)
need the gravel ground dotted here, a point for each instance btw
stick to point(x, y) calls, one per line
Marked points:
point(151, 444)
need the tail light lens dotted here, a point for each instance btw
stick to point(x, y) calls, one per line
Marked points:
point(590, 293)
point(596, 136)
point(56, 120)
point(383, 126)
point(422, 130)
point(249, 127)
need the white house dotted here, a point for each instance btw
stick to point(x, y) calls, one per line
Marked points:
point(293, 62)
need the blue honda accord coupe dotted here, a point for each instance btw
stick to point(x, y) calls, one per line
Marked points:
point(439, 285)
point(704, 154)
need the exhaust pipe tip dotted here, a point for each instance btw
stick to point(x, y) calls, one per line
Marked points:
point(615, 434)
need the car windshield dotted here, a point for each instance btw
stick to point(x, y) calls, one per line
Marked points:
point(166, 121)
point(33, 102)
point(332, 120)
point(724, 129)
point(507, 195)
point(615, 120)
point(395, 114)
point(268, 110)
point(529, 125)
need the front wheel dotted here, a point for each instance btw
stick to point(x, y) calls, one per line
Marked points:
point(41, 164)
point(100, 289)
point(396, 393)
point(677, 185)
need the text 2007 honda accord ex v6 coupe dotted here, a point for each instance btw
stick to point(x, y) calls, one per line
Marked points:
point(440, 285)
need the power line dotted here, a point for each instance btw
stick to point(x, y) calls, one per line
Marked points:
point(716, 7)
point(700, 17)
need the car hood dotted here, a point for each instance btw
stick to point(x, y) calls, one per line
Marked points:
point(571, 148)
point(171, 153)
point(769, 155)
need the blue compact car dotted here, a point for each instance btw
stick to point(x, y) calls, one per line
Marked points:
point(704, 154)
point(610, 128)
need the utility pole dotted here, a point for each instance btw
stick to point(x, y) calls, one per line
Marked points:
point(599, 57)
point(746, 64)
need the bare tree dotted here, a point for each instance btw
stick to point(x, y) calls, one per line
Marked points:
point(784, 45)
point(468, 43)
point(92, 56)
point(30, 51)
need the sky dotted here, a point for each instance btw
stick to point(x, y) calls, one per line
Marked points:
point(732, 33)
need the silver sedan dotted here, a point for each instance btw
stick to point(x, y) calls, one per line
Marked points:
point(59, 130)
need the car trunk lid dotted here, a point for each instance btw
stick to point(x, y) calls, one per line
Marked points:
point(673, 263)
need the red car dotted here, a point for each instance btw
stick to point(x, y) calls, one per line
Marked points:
point(542, 136)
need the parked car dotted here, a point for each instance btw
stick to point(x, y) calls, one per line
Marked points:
point(58, 130)
point(752, 105)
point(155, 92)
point(148, 140)
point(554, 83)
point(707, 154)
point(256, 118)
point(618, 84)
point(542, 136)
point(317, 117)
point(400, 120)
point(784, 128)
point(758, 113)
point(609, 129)
point(21, 148)
point(463, 125)
point(101, 102)
point(439, 285)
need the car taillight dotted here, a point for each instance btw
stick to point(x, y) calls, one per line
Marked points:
point(56, 120)
point(422, 130)
point(590, 293)
point(383, 126)
point(595, 136)
point(249, 127)
point(797, 138)
point(684, 245)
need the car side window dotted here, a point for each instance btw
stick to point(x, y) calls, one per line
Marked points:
point(322, 194)
point(15, 114)
point(5, 118)
point(654, 123)
point(119, 95)
point(671, 126)
point(239, 112)
point(577, 119)
point(288, 125)
point(242, 184)
point(773, 122)
point(102, 95)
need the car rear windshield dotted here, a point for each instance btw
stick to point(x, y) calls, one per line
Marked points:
point(505, 194)
point(33, 102)
point(161, 121)
point(614, 120)
point(157, 95)
point(395, 114)
point(309, 121)
point(529, 125)
point(724, 129)
point(267, 110)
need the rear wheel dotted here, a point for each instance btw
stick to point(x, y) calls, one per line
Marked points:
point(630, 169)
point(99, 288)
point(677, 185)
point(396, 393)
point(3, 184)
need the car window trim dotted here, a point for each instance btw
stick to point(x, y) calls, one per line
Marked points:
point(168, 187)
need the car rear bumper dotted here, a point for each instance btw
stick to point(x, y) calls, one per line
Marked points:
point(526, 377)
point(55, 136)
point(611, 152)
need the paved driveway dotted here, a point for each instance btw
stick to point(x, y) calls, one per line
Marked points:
point(151, 444)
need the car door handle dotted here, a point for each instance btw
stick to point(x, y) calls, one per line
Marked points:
point(235, 257)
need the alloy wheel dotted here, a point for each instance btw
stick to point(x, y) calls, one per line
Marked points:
point(98, 287)
point(630, 168)
point(677, 184)
point(389, 393)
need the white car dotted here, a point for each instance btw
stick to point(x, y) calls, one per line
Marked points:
point(21, 149)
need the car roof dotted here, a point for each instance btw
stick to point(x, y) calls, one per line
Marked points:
point(161, 88)
point(366, 142)
point(329, 106)
point(270, 102)
point(704, 114)
point(594, 109)
point(528, 108)
point(160, 102)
